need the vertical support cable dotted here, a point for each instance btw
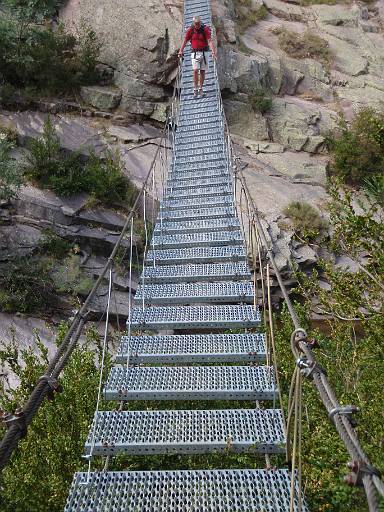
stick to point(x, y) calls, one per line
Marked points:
point(105, 344)
point(130, 288)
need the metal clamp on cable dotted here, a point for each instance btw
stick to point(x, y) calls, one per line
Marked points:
point(54, 385)
point(17, 419)
point(358, 471)
point(309, 368)
point(346, 410)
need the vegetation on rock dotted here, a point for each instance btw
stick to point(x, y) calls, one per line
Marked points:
point(38, 57)
point(306, 45)
point(68, 174)
point(41, 470)
point(33, 283)
point(306, 220)
point(357, 152)
point(352, 352)
point(246, 15)
point(259, 100)
point(11, 176)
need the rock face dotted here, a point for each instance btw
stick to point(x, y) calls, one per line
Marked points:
point(102, 98)
point(140, 41)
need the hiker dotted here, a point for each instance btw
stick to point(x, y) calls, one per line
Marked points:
point(200, 37)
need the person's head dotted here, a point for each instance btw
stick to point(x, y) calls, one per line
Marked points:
point(197, 21)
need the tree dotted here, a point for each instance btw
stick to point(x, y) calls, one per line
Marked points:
point(40, 472)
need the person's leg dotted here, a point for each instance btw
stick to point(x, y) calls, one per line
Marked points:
point(202, 77)
point(195, 79)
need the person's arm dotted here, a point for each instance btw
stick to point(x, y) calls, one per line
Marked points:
point(210, 42)
point(185, 42)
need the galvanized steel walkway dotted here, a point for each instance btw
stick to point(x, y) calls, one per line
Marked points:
point(196, 278)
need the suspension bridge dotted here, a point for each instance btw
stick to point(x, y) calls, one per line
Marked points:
point(194, 335)
point(195, 282)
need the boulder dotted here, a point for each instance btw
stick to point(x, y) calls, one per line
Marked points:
point(139, 41)
point(238, 72)
point(18, 240)
point(336, 15)
point(243, 121)
point(294, 123)
point(285, 10)
point(101, 97)
point(296, 167)
point(275, 70)
point(160, 112)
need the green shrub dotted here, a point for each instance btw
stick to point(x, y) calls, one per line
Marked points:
point(301, 46)
point(53, 245)
point(67, 174)
point(306, 221)
point(43, 59)
point(374, 188)
point(358, 150)
point(246, 15)
point(11, 176)
point(259, 100)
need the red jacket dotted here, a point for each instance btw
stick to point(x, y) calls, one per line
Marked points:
point(199, 41)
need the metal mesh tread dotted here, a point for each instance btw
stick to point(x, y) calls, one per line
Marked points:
point(191, 383)
point(201, 272)
point(188, 348)
point(200, 192)
point(200, 174)
point(186, 431)
point(195, 317)
point(185, 226)
point(196, 255)
point(177, 184)
point(212, 158)
point(236, 490)
point(198, 239)
point(201, 213)
point(196, 202)
point(188, 293)
point(188, 134)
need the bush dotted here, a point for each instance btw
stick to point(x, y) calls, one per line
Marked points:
point(307, 222)
point(301, 46)
point(67, 174)
point(11, 176)
point(358, 150)
point(43, 59)
point(259, 101)
point(246, 15)
point(374, 188)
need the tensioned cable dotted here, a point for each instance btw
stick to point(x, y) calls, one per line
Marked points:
point(101, 377)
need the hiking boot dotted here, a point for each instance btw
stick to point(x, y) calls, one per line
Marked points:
point(202, 93)
point(195, 93)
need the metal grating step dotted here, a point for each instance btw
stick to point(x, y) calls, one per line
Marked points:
point(191, 383)
point(176, 176)
point(187, 135)
point(202, 272)
point(202, 191)
point(182, 184)
point(227, 223)
point(198, 239)
point(195, 317)
point(205, 149)
point(185, 125)
point(187, 185)
point(202, 213)
point(186, 432)
point(187, 171)
point(192, 348)
point(197, 255)
point(213, 140)
point(197, 202)
point(188, 293)
point(209, 159)
point(229, 490)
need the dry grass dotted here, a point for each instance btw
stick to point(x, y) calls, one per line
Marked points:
point(301, 46)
